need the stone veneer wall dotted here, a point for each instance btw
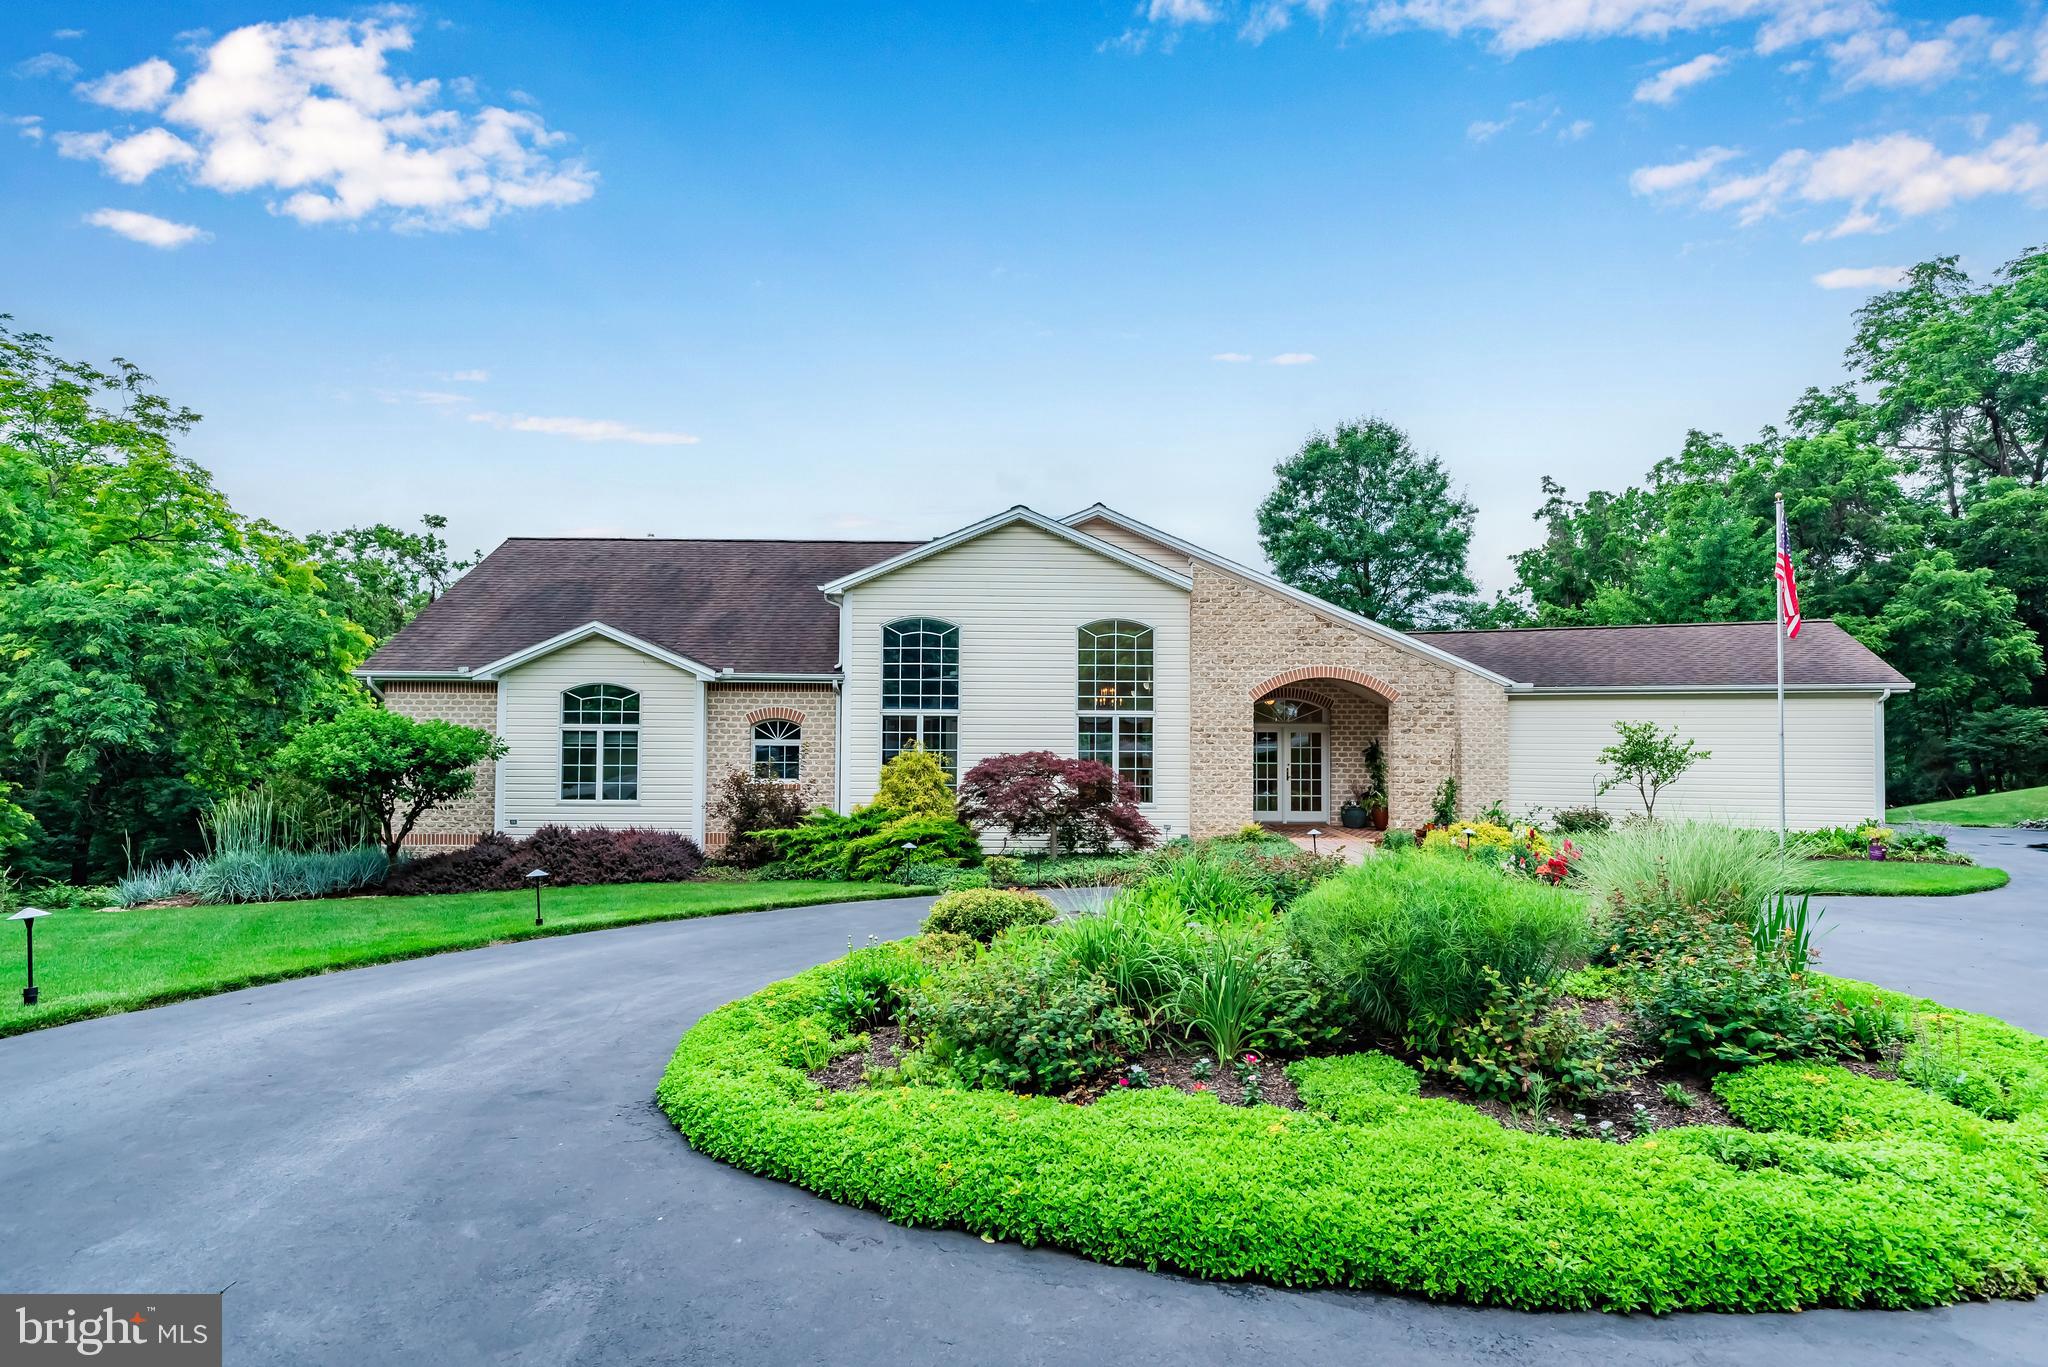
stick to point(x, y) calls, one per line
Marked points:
point(472, 704)
point(1244, 634)
point(732, 738)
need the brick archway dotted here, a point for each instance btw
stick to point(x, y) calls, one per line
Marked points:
point(1309, 673)
point(761, 714)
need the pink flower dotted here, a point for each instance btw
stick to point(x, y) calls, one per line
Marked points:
point(1251, 1058)
point(1123, 1082)
point(1201, 1086)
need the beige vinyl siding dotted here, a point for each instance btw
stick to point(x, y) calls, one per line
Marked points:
point(1019, 596)
point(1102, 529)
point(1831, 751)
point(671, 738)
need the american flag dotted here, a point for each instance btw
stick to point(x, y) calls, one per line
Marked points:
point(1788, 584)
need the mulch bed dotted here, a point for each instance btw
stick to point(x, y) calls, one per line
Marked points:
point(1167, 1069)
point(848, 1071)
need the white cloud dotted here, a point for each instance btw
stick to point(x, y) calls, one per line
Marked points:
point(46, 64)
point(1519, 25)
point(130, 160)
point(1486, 130)
point(1861, 278)
point(1668, 84)
point(30, 126)
point(1293, 358)
point(1231, 357)
point(1892, 57)
point(1182, 12)
point(310, 111)
point(1901, 173)
point(147, 229)
point(1575, 130)
point(467, 376)
point(145, 85)
point(583, 429)
point(64, 33)
point(1661, 180)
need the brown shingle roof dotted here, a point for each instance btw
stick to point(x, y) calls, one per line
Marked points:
point(1708, 654)
point(751, 606)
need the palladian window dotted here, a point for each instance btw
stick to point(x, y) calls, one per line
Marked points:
point(600, 744)
point(1114, 697)
point(921, 689)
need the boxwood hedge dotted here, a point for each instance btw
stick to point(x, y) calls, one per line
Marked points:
point(1842, 1190)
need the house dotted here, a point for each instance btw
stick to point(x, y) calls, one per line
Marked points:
point(627, 677)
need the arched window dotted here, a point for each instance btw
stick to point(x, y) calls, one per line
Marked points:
point(921, 688)
point(1298, 710)
point(600, 744)
point(778, 750)
point(1113, 693)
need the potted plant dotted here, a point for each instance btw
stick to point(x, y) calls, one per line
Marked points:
point(1353, 814)
point(1375, 798)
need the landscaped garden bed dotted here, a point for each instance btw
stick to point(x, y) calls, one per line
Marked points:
point(1453, 1036)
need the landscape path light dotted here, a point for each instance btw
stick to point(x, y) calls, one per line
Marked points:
point(1313, 834)
point(537, 877)
point(28, 916)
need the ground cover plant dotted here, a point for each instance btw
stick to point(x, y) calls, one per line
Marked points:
point(1853, 878)
point(94, 963)
point(1182, 1077)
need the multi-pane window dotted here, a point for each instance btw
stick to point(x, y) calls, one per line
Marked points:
point(921, 688)
point(600, 744)
point(778, 750)
point(1113, 692)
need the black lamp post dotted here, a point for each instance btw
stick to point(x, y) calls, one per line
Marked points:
point(1315, 833)
point(28, 916)
point(537, 877)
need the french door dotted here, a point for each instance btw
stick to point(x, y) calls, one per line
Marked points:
point(1289, 782)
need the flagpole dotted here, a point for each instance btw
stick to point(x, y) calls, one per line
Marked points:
point(1778, 631)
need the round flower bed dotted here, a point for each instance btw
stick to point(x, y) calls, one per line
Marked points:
point(1839, 1189)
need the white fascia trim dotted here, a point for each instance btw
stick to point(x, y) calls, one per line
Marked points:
point(429, 675)
point(584, 633)
point(1671, 690)
point(1006, 518)
point(1264, 580)
point(742, 676)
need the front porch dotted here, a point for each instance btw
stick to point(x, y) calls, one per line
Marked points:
point(1355, 846)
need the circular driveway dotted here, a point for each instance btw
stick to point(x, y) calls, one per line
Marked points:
point(457, 1160)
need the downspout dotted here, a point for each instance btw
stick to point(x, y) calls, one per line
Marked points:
point(1879, 795)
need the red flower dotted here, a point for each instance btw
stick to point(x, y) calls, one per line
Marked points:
point(1251, 1058)
point(1201, 1086)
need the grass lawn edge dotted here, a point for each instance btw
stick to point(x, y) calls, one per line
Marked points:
point(1961, 880)
point(69, 1015)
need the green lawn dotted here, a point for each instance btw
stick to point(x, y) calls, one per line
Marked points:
point(1992, 809)
point(95, 963)
point(1893, 878)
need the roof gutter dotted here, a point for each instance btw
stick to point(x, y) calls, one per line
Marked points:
point(1610, 690)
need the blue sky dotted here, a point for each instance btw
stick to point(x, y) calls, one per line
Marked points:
point(878, 270)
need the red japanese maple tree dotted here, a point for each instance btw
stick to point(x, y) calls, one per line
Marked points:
point(1077, 804)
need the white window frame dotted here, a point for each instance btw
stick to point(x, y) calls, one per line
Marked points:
point(792, 739)
point(924, 719)
point(605, 733)
point(1125, 712)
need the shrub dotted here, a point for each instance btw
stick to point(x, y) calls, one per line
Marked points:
point(984, 913)
point(1702, 861)
point(1580, 821)
point(872, 843)
point(499, 863)
point(1242, 987)
point(1443, 808)
point(914, 783)
point(1408, 939)
point(916, 873)
point(1526, 1046)
point(262, 875)
point(66, 897)
point(1837, 1196)
point(1721, 1004)
point(1004, 871)
point(1077, 804)
point(1021, 1020)
point(394, 768)
point(746, 806)
point(925, 839)
point(1398, 840)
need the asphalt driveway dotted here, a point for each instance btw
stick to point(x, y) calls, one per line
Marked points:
point(456, 1160)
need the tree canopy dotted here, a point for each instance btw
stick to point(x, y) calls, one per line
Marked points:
point(1362, 519)
point(1916, 502)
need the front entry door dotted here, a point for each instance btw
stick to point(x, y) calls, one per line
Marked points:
point(1306, 800)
